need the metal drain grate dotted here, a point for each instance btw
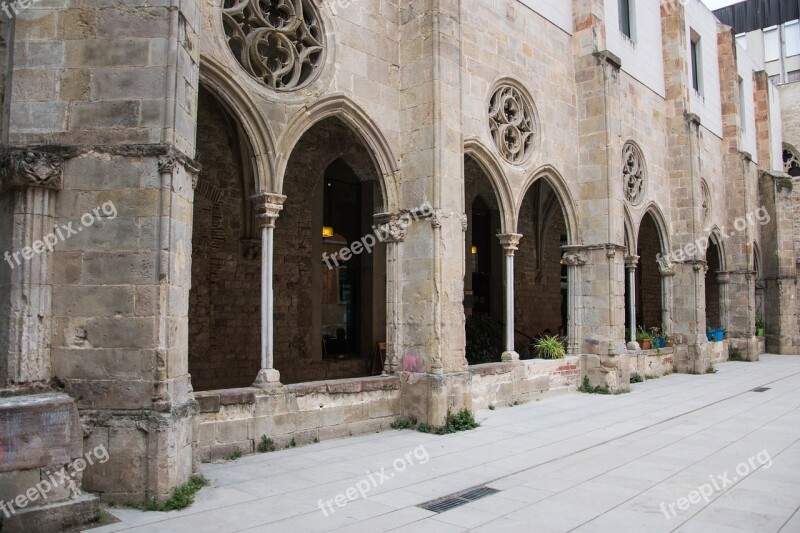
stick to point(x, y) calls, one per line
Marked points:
point(457, 500)
point(762, 389)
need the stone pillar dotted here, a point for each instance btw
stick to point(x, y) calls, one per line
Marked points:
point(630, 264)
point(396, 232)
point(269, 207)
point(724, 280)
point(574, 260)
point(667, 276)
point(510, 243)
point(29, 180)
point(780, 267)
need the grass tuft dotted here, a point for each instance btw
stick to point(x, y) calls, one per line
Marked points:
point(182, 496)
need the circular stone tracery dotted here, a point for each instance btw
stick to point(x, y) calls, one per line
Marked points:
point(512, 124)
point(279, 42)
point(633, 171)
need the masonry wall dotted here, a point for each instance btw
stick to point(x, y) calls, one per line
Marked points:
point(225, 301)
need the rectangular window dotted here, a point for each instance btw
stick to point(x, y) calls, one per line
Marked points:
point(697, 63)
point(625, 23)
point(792, 30)
point(742, 110)
point(793, 76)
point(772, 44)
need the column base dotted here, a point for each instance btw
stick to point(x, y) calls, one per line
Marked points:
point(509, 356)
point(267, 378)
point(633, 346)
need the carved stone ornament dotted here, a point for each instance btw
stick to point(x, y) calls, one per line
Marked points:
point(26, 168)
point(791, 163)
point(706, 202)
point(278, 42)
point(512, 124)
point(575, 259)
point(268, 208)
point(633, 173)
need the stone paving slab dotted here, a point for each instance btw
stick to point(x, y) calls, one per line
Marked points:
point(682, 453)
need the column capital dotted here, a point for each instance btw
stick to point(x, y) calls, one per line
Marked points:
point(667, 270)
point(268, 208)
point(574, 258)
point(723, 278)
point(21, 169)
point(510, 242)
point(631, 262)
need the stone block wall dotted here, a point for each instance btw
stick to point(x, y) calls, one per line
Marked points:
point(236, 420)
point(507, 384)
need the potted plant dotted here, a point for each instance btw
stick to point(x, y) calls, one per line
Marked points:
point(669, 342)
point(719, 334)
point(644, 339)
point(550, 348)
point(658, 339)
point(709, 334)
point(759, 326)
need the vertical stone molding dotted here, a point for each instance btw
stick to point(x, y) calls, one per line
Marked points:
point(268, 208)
point(29, 181)
point(574, 260)
point(510, 243)
point(630, 265)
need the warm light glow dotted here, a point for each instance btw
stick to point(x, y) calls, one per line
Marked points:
point(327, 232)
point(474, 250)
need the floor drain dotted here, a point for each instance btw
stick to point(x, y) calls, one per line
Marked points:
point(762, 389)
point(457, 500)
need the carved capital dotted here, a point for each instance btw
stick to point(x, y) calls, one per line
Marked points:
point(723, 278)
point(268, 208)
point(575, 259)
point(510, 242)
point(464, 222)
point(27, 168)
point(667, 270)
point(631, 262)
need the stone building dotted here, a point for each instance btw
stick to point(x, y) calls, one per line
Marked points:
point(252, 201)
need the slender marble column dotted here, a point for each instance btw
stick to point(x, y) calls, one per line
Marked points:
point(269, 206)
point(631, 263)
point(510, 242)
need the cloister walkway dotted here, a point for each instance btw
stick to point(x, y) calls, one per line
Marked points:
point(683, 453)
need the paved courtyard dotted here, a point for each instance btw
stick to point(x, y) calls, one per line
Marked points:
point(683, 453)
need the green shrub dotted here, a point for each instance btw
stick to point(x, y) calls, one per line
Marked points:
point(550, 348)
point(182, 496)
point(588, 389)
point(464, 420)
point(266, 445)
point(233, 456)
point(404, 423)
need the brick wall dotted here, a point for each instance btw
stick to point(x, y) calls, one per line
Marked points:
point(538, 298)
point(224, 302)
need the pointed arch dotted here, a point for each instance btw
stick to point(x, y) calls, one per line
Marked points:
point(559, 186)
point(716, 237)
point(341, 107)
point(655, 212)
point(474, 149)
point(214, 77)
point(631, 236)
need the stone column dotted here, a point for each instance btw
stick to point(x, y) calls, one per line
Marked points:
point(30, 179)
point(510, 243)
point(269, 207)
point(723, 281)
point(574, 261)
point(395, 227)
point(667, 276)
point(630, 264)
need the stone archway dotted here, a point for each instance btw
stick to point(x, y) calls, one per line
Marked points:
point(542, 299)
point(484, 297)
point(715, 309)
point(649, 289)
point(330, 294)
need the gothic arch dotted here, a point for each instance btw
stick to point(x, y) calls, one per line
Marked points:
point(341, 107)
point(214, 77)
point(663, 230)
point(717, 238)
point(556, 182)
point(631, 236)
point(474, 149)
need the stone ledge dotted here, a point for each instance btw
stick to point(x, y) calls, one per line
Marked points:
point(491, 369)
point(346, 386)
point(54, 517)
